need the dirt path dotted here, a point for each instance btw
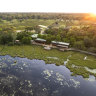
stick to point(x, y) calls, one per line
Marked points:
point(81, 51)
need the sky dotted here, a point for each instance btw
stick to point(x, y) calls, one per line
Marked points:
point(73, 6)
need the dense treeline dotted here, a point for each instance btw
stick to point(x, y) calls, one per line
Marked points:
point(81, 38)
point(9, 36)
point(20, 16)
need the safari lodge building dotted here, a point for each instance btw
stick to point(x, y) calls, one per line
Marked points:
point(39, 40)
point(60, 45)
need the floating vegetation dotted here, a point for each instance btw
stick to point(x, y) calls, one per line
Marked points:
point(59, 78)
point(48, 73)
point(53, 57)
point(91, 79)
point(91, 70)
point(35, 78)
point(13, 64)
point(76, 83)
point(65, 62)
point(3, 65)
point(15, 61)
point(44, 89)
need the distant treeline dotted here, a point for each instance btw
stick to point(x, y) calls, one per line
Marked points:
point(72, 16)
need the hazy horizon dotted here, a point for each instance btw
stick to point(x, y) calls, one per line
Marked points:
point(41, 12)
point(51, 6)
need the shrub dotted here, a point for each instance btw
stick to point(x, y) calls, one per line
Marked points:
point(10, 44)
point(79, 45)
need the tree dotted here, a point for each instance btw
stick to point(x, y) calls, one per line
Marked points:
point(26, 40)
point(94, 41)
point(79, 45)
point(87, 42)
point(23, 34)
point(6, 38)
point(28, 29)
point(48, 40)
point(20, 36)
point(6, 35)
point(14, 35)
point(58, 38)
point(72, 41)
point(37, 29)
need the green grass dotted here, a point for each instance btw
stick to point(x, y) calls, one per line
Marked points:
point(78, 60)
point(37, 52)
point(28, 22)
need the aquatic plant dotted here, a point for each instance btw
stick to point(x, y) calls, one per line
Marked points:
point(56, 57)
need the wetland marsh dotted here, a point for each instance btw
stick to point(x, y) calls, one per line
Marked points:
point(25, 77)
point(30, 70)
point(54, 56)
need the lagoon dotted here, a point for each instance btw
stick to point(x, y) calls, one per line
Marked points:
point(25, 77)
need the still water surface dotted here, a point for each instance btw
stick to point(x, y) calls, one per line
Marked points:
point(25, 77)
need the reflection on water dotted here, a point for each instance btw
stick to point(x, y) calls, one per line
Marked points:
point(24, 77)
